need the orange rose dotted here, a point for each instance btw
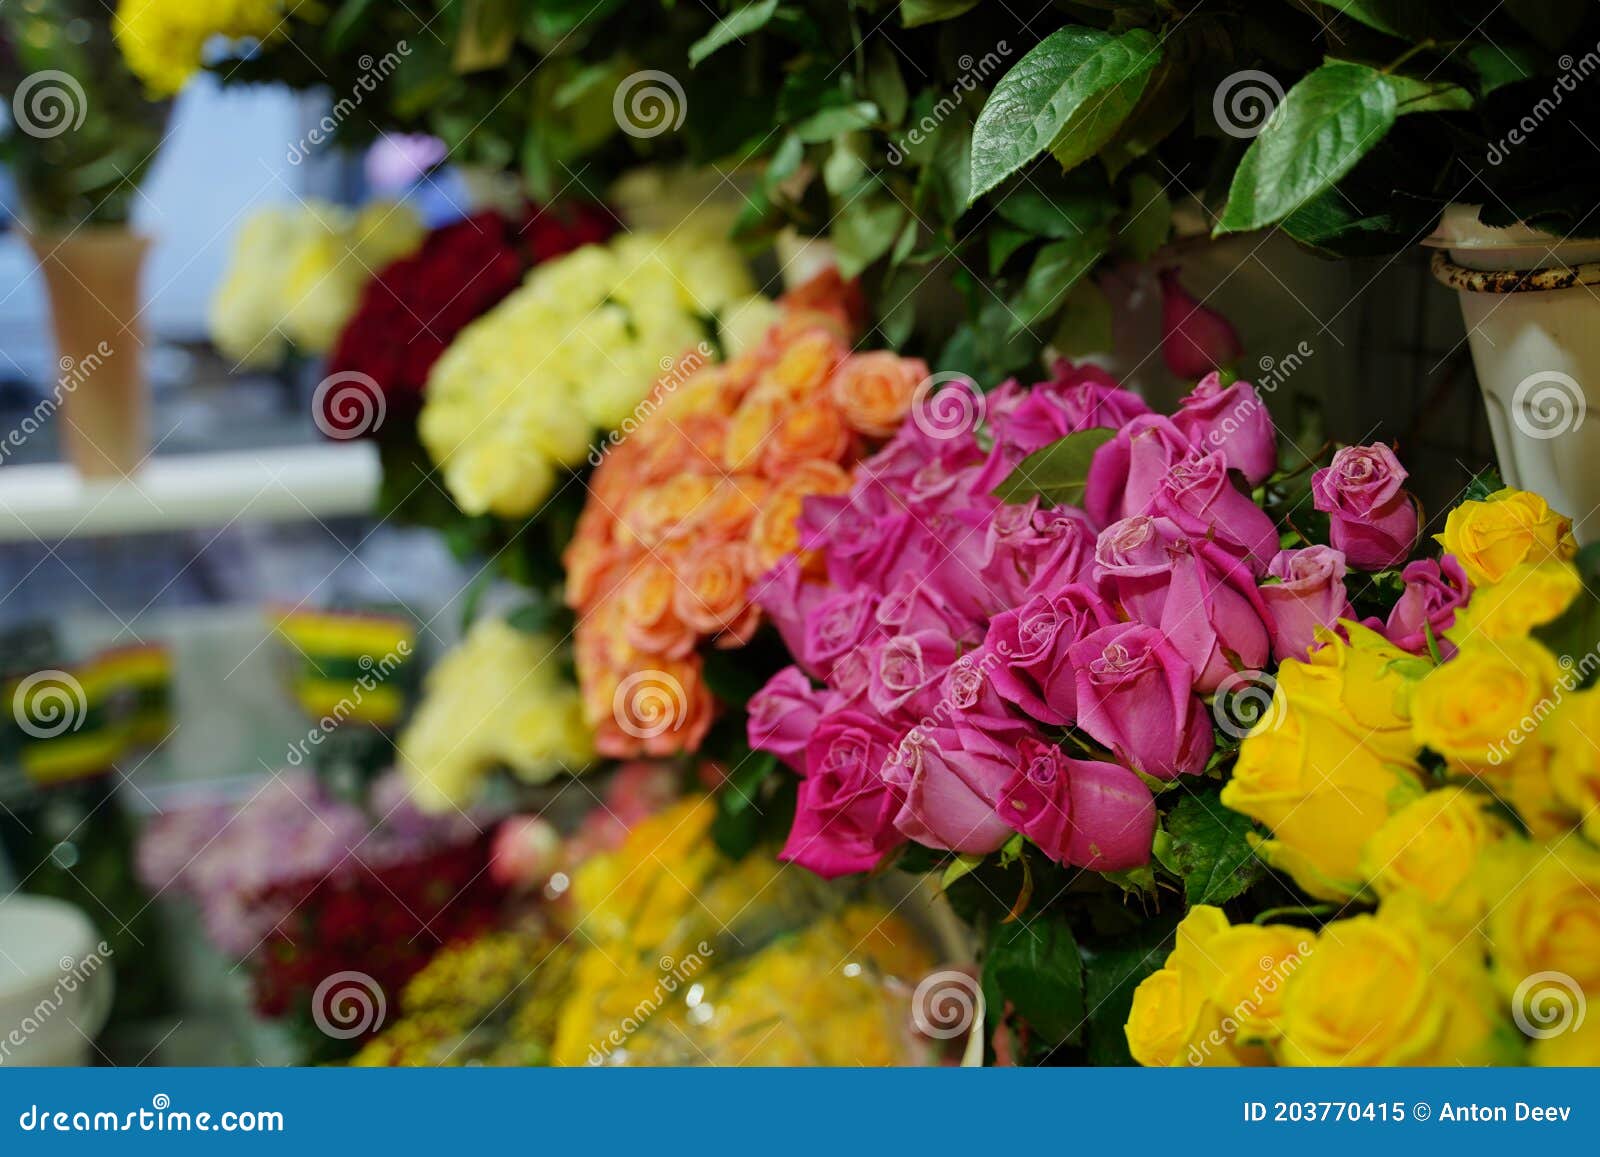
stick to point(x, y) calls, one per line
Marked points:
point(812, 431)
point(649, 613)
point(804, 365)
point(749, 430)
point(658, 710)
point(712, 591)
point(874, 390)
point(669, 510)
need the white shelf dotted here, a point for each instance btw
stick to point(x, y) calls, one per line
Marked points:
point(51, 501)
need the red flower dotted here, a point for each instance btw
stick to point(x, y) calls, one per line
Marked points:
point(415, 306)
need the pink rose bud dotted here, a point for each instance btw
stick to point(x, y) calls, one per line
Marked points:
point(1194, 340)
point(1134, 696)
point(784, 713)
point(1080, 812)
point(1434, 592)
point(844, 816)
point(951, 776)
point(1200, 497)
point(1233, 422)
point(1311, 595)
point(1026, 651)
point(1370, 518)
point(1126, 473)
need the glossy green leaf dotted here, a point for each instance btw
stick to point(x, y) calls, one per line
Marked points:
point(1034, 966)
point(1069, 94)
point(1210, 848)
point(1057, 473)
point(738, 23)
point(1056, 269)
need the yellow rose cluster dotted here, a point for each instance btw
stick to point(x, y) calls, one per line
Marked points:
point(519, 394)
point(1461, 795)
point(297, 272)
point(163, 41)
point(500, 698)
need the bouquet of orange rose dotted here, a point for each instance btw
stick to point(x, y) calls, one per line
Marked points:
point(694, 500)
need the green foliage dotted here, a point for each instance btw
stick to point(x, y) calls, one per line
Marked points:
point(1209, 848)
point(1057, 473)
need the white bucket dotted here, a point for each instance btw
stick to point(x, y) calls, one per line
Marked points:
point(55, 983)
point(1535, 344)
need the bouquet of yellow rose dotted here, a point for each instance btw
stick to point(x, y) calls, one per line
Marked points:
point(1457, 790)
point(296, 275)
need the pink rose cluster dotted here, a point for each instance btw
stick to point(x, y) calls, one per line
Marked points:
point(945, 638)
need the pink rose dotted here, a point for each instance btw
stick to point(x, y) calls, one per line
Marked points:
point(1134, 697)
point(950, 776)
point(905, 671)
point(788, 598)
point(1233, 422)
point(1311, 594)
point(968, 686)
point(839, 623)
point(1194, 339)
point(1080, 812)
point(844, 817)
point(912, 605)
point(1076, 398)
point(784, 713)
point(1370, 517)
point(1133, 564)
point(1026, 651)
point(1434, 592)
point(1199, 495)
point(1026, 546)
point(1126, 473)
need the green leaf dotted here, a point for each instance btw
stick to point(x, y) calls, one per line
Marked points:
point(345, 22)
point(1326, 123)
point(959, 867)
point(1210, 848)
point(1575, 633)
point(1056, 269)
point(1068, 94)
point(1482, 485)
point(1406, 19)
point(731, 27)
point(1328, 222)
point(885, 85)
point(1498, 65)
point(1058, 472)
point(1034, 965)
point(865, 229)
point(740, 788)
point(1085, 326)
point(917, 12)
point(1059, 216)
point(1003, 242)
point(1149, 220)
point(1110, 976)
point(1413, 96)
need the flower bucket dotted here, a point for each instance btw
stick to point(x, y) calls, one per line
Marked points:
point(1532, 312)
point(92, 275)
point(55, 983)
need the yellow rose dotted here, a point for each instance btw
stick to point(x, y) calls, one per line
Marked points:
point(1430, 849)
point(1477, 707)
point(1363, 685)
point(1510, 527)
point(1388, 990)
point(1321, 790)
point(1548, 919)
point(1531, 595)
point(1575, 1046)
point(1173, 1020)
point(1573, 769)
point(1249, 969)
